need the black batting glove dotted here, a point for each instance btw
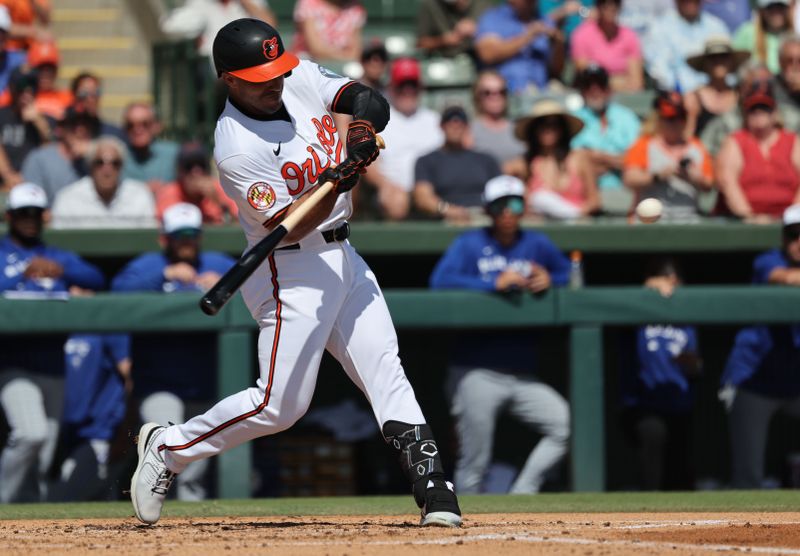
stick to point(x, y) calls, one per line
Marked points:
point(344, 177)
point(362, 146)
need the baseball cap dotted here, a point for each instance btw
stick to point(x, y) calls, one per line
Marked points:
point(41, 53)
point(193, 154)
point(669, 104)
point(765, 3)
point(502, 186)
point(405, 70)
point(591, 74)
point(791, 216)
point(454, 113)
point(759, 94)
point(182, 216)
point(375, 48)
point(21, 80)
point(252, 50)
point(5, 19)
point(26, 195)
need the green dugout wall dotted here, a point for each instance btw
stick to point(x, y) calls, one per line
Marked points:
point(584, 312)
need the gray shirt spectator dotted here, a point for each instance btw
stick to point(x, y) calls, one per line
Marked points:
point(449, 181)
point(53, 166)
point(103, 199)
point(492, 132)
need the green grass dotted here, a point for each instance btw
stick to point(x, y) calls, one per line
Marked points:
point(716, 501)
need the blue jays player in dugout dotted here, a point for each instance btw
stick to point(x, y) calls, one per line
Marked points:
point(489, 372)
point(275, 141)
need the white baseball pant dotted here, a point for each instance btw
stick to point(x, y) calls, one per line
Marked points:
point(323, 296)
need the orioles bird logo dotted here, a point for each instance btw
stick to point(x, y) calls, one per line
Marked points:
point(270, 48)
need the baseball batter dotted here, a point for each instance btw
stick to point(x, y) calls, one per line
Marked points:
point(275, 141)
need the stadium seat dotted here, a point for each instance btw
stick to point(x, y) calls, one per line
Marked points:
point(448, 72)
point(641, 103)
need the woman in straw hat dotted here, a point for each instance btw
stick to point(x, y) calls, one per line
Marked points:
point(772, 21)
point(560, 182)
point(718, 60)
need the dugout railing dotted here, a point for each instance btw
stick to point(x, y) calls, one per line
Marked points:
point(584, 312)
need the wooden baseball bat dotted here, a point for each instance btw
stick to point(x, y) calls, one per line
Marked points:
point(219, 294)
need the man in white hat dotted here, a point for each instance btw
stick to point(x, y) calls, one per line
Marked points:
point(32, 367)
point(170, 375)
point(762, 376)
point(490, 372)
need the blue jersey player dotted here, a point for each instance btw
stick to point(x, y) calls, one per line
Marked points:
point(491, 372)
point(762, 375)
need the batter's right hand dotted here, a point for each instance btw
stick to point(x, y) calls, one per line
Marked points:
point(343, 180)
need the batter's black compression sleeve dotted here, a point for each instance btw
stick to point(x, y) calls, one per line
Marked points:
point(363, 103)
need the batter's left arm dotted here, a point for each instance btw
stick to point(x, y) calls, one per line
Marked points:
point(370, 113)
point(363, 103)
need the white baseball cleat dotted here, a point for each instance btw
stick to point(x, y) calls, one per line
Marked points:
point(441, 505)
point(152, 479)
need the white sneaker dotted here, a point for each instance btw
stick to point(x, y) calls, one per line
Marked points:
point(152, 479)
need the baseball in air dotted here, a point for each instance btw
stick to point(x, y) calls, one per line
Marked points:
point(649, 210)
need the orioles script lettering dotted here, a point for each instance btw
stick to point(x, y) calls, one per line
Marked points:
point(297, 175)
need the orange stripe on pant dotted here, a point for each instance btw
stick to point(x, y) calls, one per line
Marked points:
point(273, 356)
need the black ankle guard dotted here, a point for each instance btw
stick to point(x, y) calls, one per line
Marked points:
point(419, 454)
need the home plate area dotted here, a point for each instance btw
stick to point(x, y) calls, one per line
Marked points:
point(573, 534)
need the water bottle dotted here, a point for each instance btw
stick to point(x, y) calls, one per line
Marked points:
point(576, 270)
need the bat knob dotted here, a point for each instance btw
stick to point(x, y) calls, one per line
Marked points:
point(208, 307)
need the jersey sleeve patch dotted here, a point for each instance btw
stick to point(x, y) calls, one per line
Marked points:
point(261, 196)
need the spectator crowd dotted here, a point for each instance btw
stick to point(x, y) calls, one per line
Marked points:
point(550, 132)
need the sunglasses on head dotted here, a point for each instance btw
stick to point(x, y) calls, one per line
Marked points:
point(100, 162)
point(514, 204)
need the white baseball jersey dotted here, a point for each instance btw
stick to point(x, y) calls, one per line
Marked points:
point(265, 165)
point(320, 297)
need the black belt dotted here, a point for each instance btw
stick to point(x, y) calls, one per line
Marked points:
point(339, 233)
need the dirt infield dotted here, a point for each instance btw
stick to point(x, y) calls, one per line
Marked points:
point(513, 534)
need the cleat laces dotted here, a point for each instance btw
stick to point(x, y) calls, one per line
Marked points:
point(164, 481)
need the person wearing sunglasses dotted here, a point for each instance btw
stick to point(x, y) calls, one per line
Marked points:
point(492, 132)
point(758, 166)
point(151, 160)
point(32, 367)
point(490, 372)
point(104, 199)
point(87, 90)
point(762, 375)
